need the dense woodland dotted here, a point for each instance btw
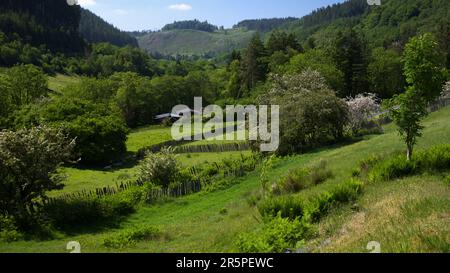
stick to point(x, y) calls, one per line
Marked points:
point(96, 30)
point(264, 25)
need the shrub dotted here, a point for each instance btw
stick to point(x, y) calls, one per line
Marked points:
point(347, 192)
point(277, 236)
point(361, 110)
point(8, 230)
point(397, 166)
point(286, 207)
point(69, 213)
point(98, 128)
point(29, 160)
point(293, 207)
point(391, 168)
point(320, 173)
point(303, 178)
point(321, 204)
point(159, 168)
point(311, 113)
point(130, 237)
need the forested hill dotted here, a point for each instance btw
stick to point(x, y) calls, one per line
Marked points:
point(264, 25)
point(51, 23)
point(96, 30)
point(391, 23)
point(192, 25)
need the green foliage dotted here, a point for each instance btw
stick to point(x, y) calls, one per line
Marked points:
point(95, 30)
point(289, 218)
point(194, 44)
point(52, 23)
point(320, 205)
point(303, 178)
point(277, 236)
point(268, 164)
point(424, 71)
point(131, 236)
point(318, 60)
point(100, 132)
point(310, 113)
point(82, 211)
point(293, 207)
point(264, 25)
point(424, 66)
point(286, 206)
point(254, 64)
point(397, 166)
point(8, 230)
point(192, 24)
point(385, 73)
point(282, 41)
point(20, 85)
point(29, 160)
point(159, 168)
point(350, 57)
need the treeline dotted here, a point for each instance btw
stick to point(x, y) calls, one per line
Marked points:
point(342, 10)
point(96, 30)
point(49, 23)
point(264, 25)
point(191, 24)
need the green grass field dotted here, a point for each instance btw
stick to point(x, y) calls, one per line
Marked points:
point(406, 215)
point(148, 136)
point(58, 82)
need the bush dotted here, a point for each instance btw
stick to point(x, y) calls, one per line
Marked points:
point(98, 128)
point(286, 207)
point(320, 205)
point(277, 236)
point(397, 166)
point(290, 218)
point(130, 237)
point(29, 162)
point(8, 230)
point(303, 178)
point(293, 207)
point(320, 173)
point(87, 211)
point(361, 110)
point(159, 168)
point(311, 113)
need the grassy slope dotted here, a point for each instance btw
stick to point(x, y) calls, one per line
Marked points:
point(190, 42)
point(194, 223)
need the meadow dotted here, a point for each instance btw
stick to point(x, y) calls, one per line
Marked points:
point(405, 215)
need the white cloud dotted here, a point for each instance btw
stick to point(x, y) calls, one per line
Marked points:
point(182, 7)
point(85, 3)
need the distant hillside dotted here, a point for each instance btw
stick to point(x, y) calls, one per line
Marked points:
point(392, 23)
point(388, 25)
point(96, 30)
point(194, 42)
point(192, 25)
point(264, 25)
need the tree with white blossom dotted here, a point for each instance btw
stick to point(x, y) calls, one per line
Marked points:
point(362, 109)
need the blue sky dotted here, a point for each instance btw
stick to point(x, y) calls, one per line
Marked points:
point(153, 14)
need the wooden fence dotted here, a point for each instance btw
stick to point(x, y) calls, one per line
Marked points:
point(153, 195)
